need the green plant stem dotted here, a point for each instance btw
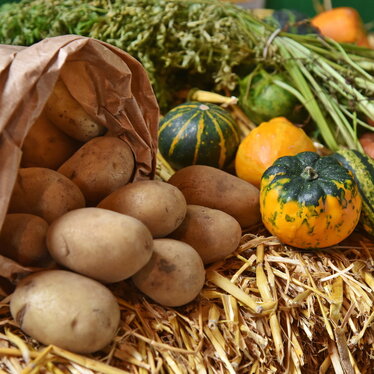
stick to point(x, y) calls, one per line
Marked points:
point(293, 68)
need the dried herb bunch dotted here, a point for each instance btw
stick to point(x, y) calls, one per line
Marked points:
point(176, 41)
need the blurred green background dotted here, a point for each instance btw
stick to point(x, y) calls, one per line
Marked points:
point(364, 7)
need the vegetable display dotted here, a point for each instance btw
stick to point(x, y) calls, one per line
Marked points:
point(248, 249)
point(209, 45)
point(309, 201)
point(198, 133)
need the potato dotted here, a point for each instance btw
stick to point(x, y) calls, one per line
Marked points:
point(99, 167)
point(23, 239)
point(101, 244)
point(46, 146)
point(159, 205)
point(217, 189)
point(68, 115)
point(66, 309)
point(212, 233)
point(44, 193)
point(175, 274)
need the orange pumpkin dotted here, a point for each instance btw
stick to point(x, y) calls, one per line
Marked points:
point(309, 201)
point(267, 142)
point(342, 24)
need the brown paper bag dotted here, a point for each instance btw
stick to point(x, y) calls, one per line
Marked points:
point(111, 86)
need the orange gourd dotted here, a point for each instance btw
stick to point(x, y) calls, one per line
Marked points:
point(342, 24)
point(267, 142)
point(309, 201)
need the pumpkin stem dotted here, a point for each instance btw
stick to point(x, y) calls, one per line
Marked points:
point(309, 173)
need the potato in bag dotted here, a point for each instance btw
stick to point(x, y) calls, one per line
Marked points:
point(23, 238)
point(44, 193)
point(99, 167)
point(69, 116)
point(46, 146)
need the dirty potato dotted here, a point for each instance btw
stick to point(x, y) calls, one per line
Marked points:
point(66, 309)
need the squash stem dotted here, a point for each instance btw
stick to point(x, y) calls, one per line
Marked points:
point(309, 173)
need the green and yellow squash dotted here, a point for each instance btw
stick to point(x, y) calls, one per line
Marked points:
point(362, 168)
point(309, 201)
point(198, 133)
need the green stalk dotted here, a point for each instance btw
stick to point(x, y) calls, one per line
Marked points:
point(291, 66)
point(362, 102)
point(354, 117)
point(351, 63)
point(348, 135)
point(366, 64)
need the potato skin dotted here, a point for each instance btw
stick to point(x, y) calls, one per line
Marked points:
point(217, 189)
point(68, 115)
point(23, 239)
point(66, 309)
point(159, 205)
point(46, 146)
point(212, 233)
point(99, 167)
point(101, 244)
point(175, 274)
point(44, 193)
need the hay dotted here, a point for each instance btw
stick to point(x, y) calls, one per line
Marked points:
point(267, 308)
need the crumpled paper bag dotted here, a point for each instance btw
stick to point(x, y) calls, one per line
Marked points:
point(111, 86)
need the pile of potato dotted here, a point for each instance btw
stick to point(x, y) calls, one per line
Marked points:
point(76, 213)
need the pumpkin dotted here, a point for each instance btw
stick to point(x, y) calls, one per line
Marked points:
point(343, 24)
point(267, 142)
point(309, 201)
point(362, 168)
point(198, 133)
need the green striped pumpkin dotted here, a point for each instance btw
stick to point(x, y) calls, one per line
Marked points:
point(198, 133)
point(362, 168)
